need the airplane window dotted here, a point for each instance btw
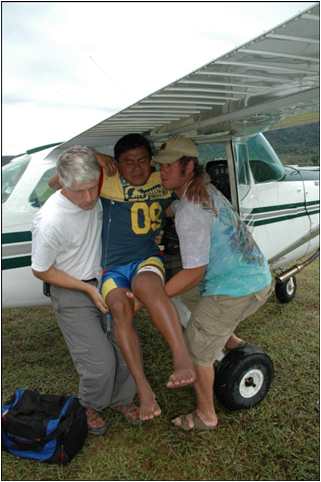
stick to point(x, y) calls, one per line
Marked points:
point(42, 191)
point(265, 164)
point(214, 157)
point(11, 173)
point(211, 152)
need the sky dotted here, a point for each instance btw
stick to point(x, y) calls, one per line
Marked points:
point(68, 65)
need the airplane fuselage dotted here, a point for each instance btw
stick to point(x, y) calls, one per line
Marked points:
point(279, 212)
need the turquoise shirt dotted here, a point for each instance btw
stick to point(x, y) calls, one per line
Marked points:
point(236, 265)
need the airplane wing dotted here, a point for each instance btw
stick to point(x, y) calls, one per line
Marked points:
point(268, 83)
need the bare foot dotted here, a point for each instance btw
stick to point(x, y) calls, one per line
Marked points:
point(149, 407)
point(181, 377)
point(130, 412)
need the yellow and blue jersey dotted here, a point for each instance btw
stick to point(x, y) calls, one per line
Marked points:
point(132, 218)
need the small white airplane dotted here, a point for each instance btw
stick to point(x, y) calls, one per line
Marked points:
point(269, 83)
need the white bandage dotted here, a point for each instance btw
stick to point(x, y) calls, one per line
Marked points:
point(152, 269)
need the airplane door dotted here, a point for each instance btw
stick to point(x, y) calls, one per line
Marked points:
point(312, 195)
point(312, 199)
point(273, 208)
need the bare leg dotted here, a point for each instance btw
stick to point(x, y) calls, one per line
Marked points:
point(148, 288)
point(204, 392)
point(127, 339)
point(205, 401)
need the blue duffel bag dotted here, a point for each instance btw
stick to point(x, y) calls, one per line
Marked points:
point(47, 428)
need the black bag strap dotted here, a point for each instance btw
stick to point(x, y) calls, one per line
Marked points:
point(37, 445)
point(31, 401)
point(26, 445)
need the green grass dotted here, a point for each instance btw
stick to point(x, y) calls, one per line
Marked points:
point(276, 440)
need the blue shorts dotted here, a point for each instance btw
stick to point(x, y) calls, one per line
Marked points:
point(122, 276)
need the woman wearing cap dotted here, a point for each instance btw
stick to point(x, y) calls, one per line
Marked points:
point(219, 252)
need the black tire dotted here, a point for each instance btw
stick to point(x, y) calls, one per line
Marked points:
point(243, 377)
point(285, 291)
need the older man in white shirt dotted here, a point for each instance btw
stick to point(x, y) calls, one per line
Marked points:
point(66, 253)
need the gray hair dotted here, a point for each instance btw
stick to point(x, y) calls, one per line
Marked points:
point(78, 164)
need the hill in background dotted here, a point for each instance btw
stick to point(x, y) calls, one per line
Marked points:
point(297, 145)
point(294, 145)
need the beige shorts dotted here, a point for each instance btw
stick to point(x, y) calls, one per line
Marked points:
point(214, 320)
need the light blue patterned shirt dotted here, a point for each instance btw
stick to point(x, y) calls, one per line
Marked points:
point(235, 265)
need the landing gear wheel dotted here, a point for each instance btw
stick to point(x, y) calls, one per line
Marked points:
point(285, 291)
point(243, 377)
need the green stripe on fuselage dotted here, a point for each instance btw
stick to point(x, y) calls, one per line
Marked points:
point(311, 203)
point(278, 207)
point(277, 219)
point(317, 211)
point(17, 237)
point(20, 262)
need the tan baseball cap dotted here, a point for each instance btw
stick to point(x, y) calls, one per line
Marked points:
point(174, 149)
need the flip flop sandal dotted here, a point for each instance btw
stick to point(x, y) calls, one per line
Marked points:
point(96, 430)
point(197, 422)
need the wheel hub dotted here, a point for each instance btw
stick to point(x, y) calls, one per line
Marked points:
point(251, 383)
point(290, 287)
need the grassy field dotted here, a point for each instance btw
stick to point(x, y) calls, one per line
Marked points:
point(277, 440)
